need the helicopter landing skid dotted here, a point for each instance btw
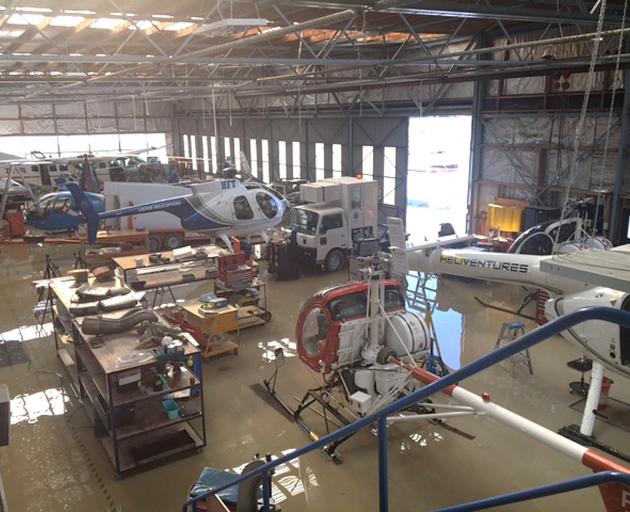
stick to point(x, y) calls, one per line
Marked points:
point(333, 417)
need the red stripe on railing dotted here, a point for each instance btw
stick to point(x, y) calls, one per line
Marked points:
point(616, 497)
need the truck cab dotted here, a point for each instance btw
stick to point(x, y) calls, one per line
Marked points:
point(338, 213)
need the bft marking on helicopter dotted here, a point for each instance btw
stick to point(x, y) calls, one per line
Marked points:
point(491, 265)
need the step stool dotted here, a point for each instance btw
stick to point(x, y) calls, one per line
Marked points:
point(511, 331)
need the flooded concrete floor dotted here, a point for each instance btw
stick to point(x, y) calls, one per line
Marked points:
point(54, 462)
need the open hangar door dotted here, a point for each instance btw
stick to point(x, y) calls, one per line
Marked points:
point(380, 153)
point(438, 175)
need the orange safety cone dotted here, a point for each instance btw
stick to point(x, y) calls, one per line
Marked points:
point(236, 244)
point(130, 219)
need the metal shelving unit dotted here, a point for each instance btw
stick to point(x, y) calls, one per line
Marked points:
point(252, 311)
point(131, 423)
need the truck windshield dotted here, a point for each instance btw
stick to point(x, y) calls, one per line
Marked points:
point(304, 221)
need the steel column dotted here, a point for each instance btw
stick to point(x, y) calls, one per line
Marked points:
point(476, 141)
point(350, 172)
point(622, 162)
point(266, 485)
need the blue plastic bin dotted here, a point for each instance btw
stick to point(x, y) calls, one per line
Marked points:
point(171, 408)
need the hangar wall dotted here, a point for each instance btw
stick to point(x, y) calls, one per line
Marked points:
point(353, 134)
point(523, 128)
point(528, 131)
point(85, 117)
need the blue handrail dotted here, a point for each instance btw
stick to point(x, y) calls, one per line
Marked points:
point(527, 341)
point(605, 477)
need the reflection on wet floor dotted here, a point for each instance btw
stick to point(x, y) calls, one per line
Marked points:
point(448, 327)
point(448, 322)
point(288, 479)
point(27, 332)
point(30, 406)
point(289, 349)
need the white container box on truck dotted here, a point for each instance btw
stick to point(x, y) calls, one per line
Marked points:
point(339, 213)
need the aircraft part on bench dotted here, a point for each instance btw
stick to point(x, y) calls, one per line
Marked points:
point(100, 325)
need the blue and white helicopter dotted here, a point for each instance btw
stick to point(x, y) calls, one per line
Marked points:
point(57, 211)
point(220, 208)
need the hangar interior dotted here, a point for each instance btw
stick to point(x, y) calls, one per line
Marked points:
point(459, 110)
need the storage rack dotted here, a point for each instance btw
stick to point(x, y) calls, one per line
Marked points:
point(252, 311)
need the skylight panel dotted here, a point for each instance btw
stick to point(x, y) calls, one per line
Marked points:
point(10, 34)
point(108, 23)
point(25, 19)
point(181, 25)
point(66, 21)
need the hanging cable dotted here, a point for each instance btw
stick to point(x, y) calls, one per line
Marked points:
point(600, 195)
point(590, 80)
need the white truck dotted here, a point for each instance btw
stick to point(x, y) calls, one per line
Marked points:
point(338, 213)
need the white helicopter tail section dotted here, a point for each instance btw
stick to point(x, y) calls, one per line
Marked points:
point(397, 243)
point(246, 170)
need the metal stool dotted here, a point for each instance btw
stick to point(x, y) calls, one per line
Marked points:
point(511, 331)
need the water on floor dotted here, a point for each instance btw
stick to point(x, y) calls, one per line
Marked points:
point(55, 463)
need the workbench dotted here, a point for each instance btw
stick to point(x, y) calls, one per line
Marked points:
point(128, 264)
point(214, 325)
point(62, 290)
point(131, 424)
point(162, 275)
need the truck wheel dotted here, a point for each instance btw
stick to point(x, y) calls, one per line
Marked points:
point(173, 241)
point(334, 261)
point(154, 244)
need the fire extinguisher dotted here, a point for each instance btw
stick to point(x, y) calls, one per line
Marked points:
point(603, 396)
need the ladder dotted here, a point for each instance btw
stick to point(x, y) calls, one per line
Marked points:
point(423, 299)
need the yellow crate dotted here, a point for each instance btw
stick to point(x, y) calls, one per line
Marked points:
point(505, 218)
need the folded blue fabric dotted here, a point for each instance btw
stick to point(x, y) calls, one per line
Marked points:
point(211, 478)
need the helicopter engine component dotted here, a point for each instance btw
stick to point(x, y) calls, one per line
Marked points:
point(406, 333)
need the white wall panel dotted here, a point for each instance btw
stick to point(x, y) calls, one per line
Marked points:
point(9, 128)
point(36, 110)
point(100, 109)
point(70, 126)
point(38, 126)
point(102, 125)
point(70, 109)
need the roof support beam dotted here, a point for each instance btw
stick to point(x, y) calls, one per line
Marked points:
point(451, 9)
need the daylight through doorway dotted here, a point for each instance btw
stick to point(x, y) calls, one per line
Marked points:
point(437, 181)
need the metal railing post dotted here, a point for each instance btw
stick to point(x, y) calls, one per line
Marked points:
point(383, 489)
point(266, 485)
